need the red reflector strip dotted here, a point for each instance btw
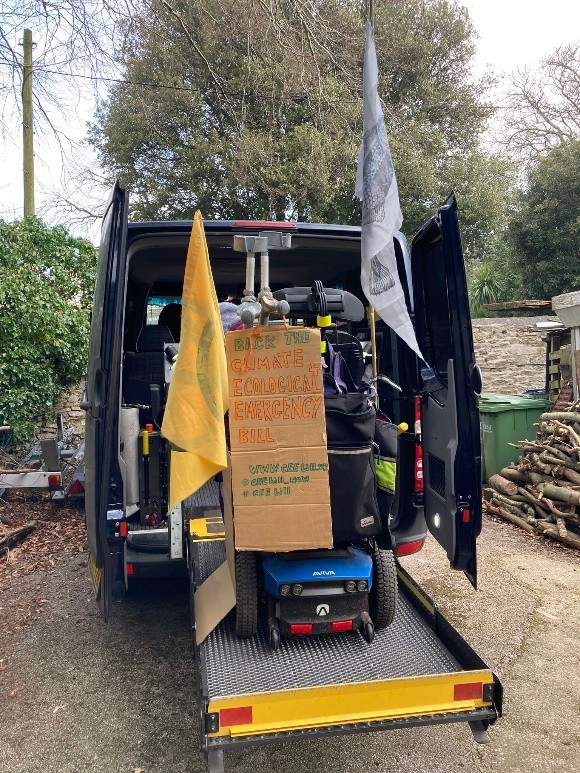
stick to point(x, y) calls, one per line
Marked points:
point(54, 481)
point(273, 224)
point(130, 570)
point(300, 628)
point(341, 625)
point(76, 488)
point(239, 715)
point(408, 548)
point(466, 515)
point(472, 691)
point(123, 529)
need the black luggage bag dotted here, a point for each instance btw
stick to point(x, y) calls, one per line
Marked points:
point(350, 428)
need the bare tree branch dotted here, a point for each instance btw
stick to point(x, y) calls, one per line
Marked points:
point(542, 108)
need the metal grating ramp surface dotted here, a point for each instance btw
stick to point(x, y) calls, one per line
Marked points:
point(206, 496)
point(238, 666)
point(208, 556)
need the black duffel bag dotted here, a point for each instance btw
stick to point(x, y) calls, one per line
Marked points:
point(350, 428)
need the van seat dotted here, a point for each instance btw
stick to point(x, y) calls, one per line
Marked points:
point(146, 367)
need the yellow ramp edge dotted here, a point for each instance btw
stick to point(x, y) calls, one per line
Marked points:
point(341, 704)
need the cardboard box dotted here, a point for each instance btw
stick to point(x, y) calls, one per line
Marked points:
point(278, 440)
point(217, 595)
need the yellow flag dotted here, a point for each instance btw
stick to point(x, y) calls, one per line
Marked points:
point(198, 393)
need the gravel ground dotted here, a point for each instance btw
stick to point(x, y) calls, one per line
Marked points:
point(78, 695)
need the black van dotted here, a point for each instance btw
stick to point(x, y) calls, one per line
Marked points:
point(438, 485)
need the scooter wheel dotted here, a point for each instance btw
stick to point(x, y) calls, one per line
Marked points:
point(246, 595)
point(368, 632)
point(383, 595)
point(274, 639)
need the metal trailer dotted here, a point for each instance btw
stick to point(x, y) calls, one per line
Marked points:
point(419, 671)
point(55, 461)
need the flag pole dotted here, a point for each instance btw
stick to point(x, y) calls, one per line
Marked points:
point(370, 310)
point(373, 331)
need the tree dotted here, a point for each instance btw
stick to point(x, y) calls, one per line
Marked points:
point(46, 287)
point(253, 109)
point(497, 277)
point(545, 229)
point(543, 105)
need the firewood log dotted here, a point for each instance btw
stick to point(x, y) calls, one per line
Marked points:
point(512, 473)
point(573, 517)
point(502, 485)
point(572, 475)
point(537, 477)
point(538, 504)
point(507, 516)
point(527, 447)
point(560, 493)
point(541, 465)
point(550, 458)
point(16, 535)
point(551, 531)
point(521, 509)
point(563, 416)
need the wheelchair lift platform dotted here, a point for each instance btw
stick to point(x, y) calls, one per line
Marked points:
point(418, 671)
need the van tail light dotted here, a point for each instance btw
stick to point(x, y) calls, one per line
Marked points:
point(419, 485)
point(408, 548)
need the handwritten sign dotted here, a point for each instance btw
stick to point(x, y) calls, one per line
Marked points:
point(278, 439)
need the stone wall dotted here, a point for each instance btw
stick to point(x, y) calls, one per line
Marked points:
point(511, 353)
point(73, 418)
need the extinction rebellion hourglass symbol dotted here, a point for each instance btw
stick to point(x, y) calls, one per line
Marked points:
point(381, 278)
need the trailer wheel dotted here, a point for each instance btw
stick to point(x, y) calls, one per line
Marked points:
point(383, 594)
point(246, 595)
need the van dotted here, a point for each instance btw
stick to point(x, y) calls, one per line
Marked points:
point(417, 672)
point(141, 265)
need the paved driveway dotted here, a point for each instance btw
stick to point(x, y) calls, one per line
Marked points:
point(77, 695)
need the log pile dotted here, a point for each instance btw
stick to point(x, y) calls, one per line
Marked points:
point(541, 493)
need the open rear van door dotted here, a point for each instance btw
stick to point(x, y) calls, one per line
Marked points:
point(103, 388)
point(451, 382)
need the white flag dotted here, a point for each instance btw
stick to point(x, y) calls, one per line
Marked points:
point(376, 186)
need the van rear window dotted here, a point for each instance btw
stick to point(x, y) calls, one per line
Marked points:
point(154, 306)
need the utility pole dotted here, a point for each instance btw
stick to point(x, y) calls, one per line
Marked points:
point(27, 127)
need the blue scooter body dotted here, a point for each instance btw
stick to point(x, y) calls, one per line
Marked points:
point(323, 592)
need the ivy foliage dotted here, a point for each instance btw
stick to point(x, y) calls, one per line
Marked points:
point(46, 288)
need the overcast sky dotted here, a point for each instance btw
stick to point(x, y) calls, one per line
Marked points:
point(512, 34)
